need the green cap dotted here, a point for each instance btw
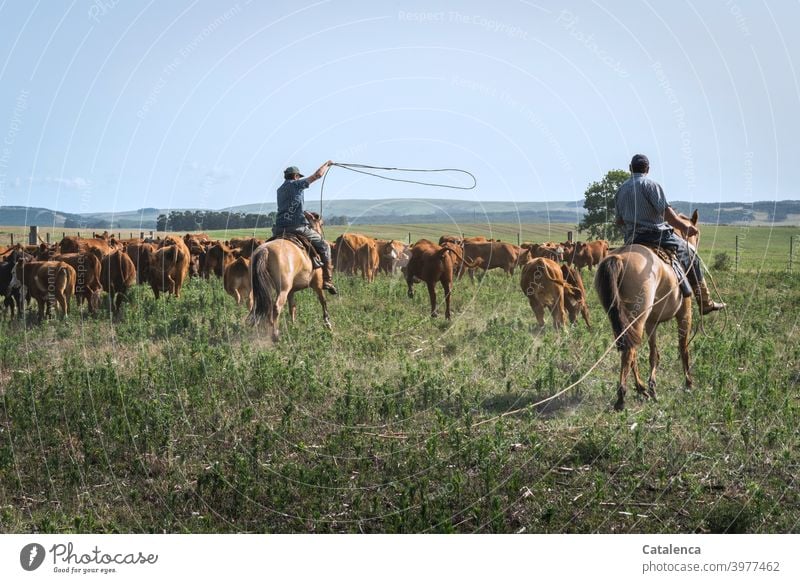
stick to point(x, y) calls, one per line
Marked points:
point(291, 171)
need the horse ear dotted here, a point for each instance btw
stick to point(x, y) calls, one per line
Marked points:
point(695, 217)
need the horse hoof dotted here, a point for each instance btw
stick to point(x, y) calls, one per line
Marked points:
point(328, 326)
point(619, 405)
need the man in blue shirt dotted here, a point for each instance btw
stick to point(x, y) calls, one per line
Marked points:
point(647, 218)
point(291, 216)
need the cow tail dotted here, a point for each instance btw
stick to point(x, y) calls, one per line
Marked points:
point(461, 258)
point(261, 283)
point(609, 274)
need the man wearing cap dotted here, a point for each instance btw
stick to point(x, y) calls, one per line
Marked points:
point(647, 218)
point(291, 216)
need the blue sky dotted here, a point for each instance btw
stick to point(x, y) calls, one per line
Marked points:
point(121, 104)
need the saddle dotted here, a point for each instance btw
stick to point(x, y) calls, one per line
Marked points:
point(669, 257)
point(303, 243)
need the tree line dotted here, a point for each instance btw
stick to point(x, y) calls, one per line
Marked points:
point(218, 220)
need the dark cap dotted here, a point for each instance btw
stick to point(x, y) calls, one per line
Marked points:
point(640, 161)
point(291, 171)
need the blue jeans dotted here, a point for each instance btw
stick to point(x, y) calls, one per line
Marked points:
point(320, 244)
point(669, 240)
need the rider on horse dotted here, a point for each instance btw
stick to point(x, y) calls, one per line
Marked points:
point(648, 219)
point(291, 216)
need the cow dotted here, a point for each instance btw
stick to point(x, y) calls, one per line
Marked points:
point(87, 283)
point(47, 282)
point(169, 267)
point(217, 258)
point(589, 253)
point(433, 264)
point(548, 250)
point(236, 280)
point(245, 246)
point(543, 283)
point(70, 244)
point(350, 256)
point(118, 275)
point(194, 244)
point(575, 297)
point(491, 255)
point(142, 255)
point(12, 296)
point(389, 253)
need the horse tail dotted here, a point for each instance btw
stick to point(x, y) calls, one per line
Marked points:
point(261, 283)
point(609, 275)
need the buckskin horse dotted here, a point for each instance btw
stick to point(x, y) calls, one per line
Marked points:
point(638, 291)
point(278, 269)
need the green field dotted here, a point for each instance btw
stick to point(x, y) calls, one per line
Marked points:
point(180, 418)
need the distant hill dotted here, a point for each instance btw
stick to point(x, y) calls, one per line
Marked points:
point(417, 210)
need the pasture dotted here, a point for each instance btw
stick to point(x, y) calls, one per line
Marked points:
point(177, 417)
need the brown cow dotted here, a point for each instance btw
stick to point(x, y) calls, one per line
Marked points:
point(543, 283)
point(217, 258)
point(491, 255)
point(169, 267)
point(245, 246)
point(47, 282)
point(433, 263)
point(142, 255)
point(575, 297)
point(236, 280)
point(589, 253)
point(70, 244)
point(118, 275)
point(548, 250)
point(348, 258)
point(389, 253)
point(194, 244)
point(87, 282)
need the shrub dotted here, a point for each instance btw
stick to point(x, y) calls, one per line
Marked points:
point(722, 262)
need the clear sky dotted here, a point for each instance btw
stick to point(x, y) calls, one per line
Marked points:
point(121, 104)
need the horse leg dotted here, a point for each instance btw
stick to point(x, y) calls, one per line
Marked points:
point(292, 306)
point(655, 357)
point(684, 317)
point(627, 358)
point(277, 308)
point(324, 303)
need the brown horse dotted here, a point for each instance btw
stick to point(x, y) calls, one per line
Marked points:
point(278, 269)
point(638, 291)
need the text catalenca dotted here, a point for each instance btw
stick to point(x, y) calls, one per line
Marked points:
point(670, 550)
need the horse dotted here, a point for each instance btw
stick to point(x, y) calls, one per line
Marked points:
point(638, 291)
point(278, 269)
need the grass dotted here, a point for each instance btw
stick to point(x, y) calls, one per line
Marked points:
point(180, 418)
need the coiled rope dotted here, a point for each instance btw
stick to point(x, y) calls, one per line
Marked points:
point(362, 169)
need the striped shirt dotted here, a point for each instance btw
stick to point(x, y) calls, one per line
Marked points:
point(641, 203)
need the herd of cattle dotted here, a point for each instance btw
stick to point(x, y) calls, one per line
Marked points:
point(86, 267)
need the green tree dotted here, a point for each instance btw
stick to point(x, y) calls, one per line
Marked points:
point(600, 218)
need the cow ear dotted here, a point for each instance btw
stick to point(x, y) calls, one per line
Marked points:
point(695, 217)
